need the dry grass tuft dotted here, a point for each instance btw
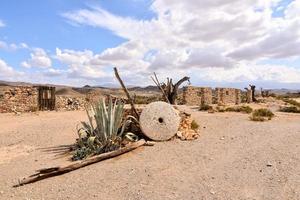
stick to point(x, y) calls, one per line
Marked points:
point(205, 107)
point(242, 109)
point(290, 109)
point(261, 115)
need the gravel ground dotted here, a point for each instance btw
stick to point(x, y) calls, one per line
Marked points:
point(234, 158)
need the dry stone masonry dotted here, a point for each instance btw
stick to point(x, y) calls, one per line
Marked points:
point(19, 99)
point(197, 95)
point(206, 95)
point(228, 96)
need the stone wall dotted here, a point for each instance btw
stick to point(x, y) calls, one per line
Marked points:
point(228, 96)
point(205, 95)
point(197, 95)
point(25, 99)
point(19, 99)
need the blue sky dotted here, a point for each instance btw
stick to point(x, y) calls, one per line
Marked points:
point(78, 42)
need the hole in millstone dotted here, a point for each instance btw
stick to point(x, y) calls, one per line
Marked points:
point(161, 120)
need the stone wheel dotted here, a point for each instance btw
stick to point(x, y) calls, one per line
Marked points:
point(159, 121)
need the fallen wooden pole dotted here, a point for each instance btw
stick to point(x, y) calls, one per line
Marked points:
point(55, 171)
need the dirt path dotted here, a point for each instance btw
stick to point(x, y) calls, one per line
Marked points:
point(234, 158)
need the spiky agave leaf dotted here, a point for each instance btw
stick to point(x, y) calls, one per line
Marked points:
point(90, 117)
point(108, 131)
point(118, 116)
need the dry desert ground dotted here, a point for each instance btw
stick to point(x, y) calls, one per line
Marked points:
point(234, 158)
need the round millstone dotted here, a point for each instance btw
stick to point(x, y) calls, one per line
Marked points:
point(159, 121)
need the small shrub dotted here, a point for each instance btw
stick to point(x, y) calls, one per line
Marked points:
point(243, 109)
point(262, 115)
point(220, 109)
point(146, 99)
point(194, 125)
point(257, 118)
point(292, 102)
point(205, 107)
point(290, 109)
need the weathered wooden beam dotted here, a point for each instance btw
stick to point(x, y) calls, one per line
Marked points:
point(56, 171)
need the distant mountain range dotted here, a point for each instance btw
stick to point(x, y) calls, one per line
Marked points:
point(147, 89)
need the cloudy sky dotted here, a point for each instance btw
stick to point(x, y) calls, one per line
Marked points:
point(215, 42)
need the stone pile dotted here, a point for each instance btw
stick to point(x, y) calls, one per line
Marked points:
point(185, 131)
point(70, 103)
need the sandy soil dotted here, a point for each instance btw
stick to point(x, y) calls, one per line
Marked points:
point(234, 158)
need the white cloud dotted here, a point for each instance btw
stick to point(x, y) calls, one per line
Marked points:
point(7, 72)
point(219, 38)
point(79, 63)
point(53, 72)
point(244, 73)
point(39, 58)
point(73, 57)
point(12, 46)
point(2, 24)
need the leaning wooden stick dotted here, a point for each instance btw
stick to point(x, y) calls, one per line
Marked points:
point(55, 171)
point(127, 93)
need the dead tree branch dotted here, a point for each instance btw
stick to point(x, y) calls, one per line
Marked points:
point(170, 90)
point(252, 87)
point(127, 93)
point(157, 83)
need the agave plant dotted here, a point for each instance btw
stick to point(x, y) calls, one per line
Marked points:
point(104, 130)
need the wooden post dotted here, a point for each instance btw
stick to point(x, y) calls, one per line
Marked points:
point(127, 93)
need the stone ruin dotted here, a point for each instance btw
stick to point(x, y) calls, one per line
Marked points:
point(197, 95)
point(19, 99)
point(228, 96)
point(26, 99)
point(205, 95)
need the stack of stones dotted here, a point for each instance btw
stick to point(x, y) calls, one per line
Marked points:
point(19, 99)
point(185, 131)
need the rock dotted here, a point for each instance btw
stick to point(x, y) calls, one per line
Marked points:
point(159, 121)
point(269, 164)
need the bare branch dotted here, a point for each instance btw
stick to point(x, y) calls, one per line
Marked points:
point(127, 93)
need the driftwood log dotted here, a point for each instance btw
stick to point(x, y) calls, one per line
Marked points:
point(169, 90)
point(56, 171)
